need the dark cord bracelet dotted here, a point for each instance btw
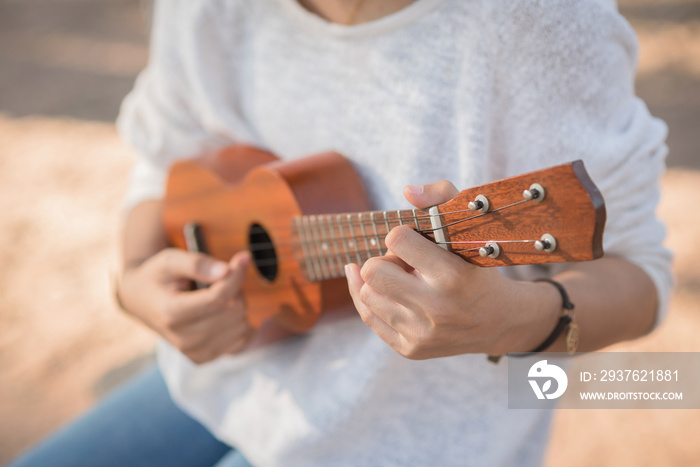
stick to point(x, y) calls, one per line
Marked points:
point(565, 321)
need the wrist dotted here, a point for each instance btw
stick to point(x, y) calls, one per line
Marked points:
point(117, 281)
point(534, 310)
point(123, 293)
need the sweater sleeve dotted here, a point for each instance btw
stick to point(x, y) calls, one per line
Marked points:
point(565, 92)
point(161, 119)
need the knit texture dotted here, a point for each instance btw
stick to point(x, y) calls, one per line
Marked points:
point(469, 91)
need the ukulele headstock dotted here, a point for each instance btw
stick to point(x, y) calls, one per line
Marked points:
point(549, 216)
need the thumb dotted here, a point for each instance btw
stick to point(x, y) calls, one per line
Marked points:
point(199, 267)
point(425, 196)
point(238, 266)
point(232, 284)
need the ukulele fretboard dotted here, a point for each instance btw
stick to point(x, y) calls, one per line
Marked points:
point(323, 244)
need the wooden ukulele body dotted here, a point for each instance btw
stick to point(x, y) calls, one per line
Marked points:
point(242, 192)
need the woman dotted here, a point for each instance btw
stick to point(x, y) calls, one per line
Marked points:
point(411, 93)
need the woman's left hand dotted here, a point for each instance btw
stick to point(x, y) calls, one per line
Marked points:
point(426, 302)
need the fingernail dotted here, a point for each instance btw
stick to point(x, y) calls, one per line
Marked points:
point(415, 189)
point(347, 271)
point(218, 269)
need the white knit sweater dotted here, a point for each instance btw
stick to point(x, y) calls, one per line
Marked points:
point(465, 90)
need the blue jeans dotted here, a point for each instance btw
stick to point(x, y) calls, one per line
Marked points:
point(137, 425)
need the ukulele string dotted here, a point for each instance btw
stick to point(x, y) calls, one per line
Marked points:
point(474, 217)
point(482, 243)
point(254, 247)
point(378, 236)
point(373, 252)
point(408, 220)
point(350, 248)
point(479, 241)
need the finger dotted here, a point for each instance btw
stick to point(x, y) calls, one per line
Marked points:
point(198, 304)
point(211, 336)
point(231, 338)
point(213, 349)
point(355, 282)
point(387, 310)
point(420, 253)
point(387, 276)
point(238, 267)
point(227, 288)
point(177, 264)
point(181, 284)
point(397, 261)
point(240, 344)
point(197, 323)
point(425, 196)
point(380, 328)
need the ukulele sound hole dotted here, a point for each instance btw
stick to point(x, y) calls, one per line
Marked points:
point(263, 251)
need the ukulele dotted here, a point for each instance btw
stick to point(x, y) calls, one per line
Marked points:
point(303, 220)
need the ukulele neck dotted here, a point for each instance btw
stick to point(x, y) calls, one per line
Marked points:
point(552, 215)
point(324, 244)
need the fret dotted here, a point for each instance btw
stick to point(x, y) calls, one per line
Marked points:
point(364, 235)
point(400, 220)
point(305, 250)
point(339, 220)
point(354, 236)
point(338, 256)
point(415, 218)
point(376, 234)
point(326, 248)
point(314, 259)
point(319, 247)
point(386, 221)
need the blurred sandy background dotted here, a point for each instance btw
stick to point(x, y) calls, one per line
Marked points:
point(65, 65)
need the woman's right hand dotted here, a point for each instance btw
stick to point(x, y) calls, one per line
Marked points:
point(204, 323)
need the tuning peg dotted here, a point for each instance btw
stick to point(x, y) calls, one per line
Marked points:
point(491, 249)
point(547, 243)
point(480, 203)
point(536, 193)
